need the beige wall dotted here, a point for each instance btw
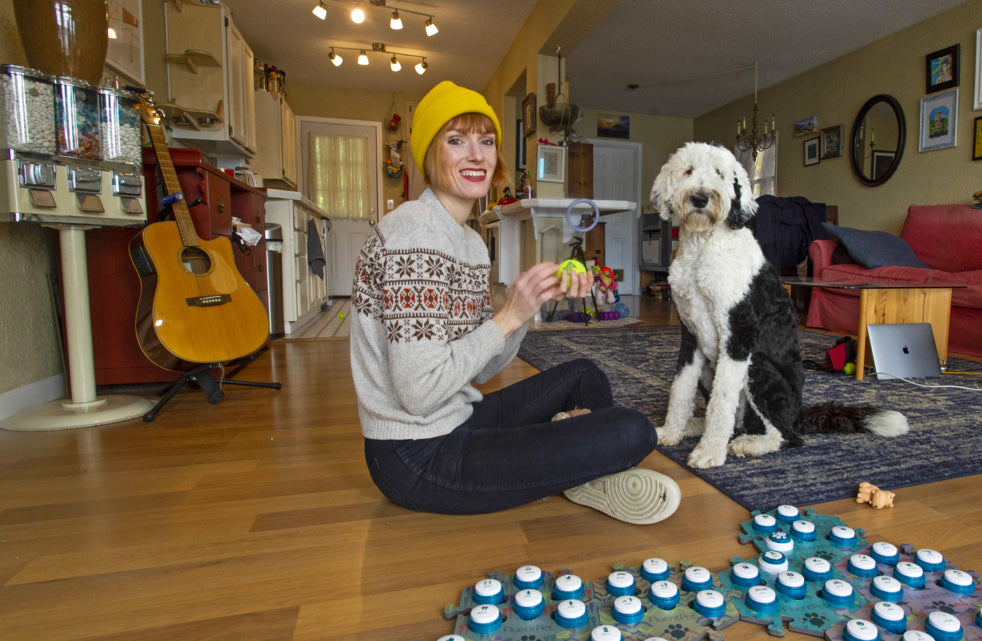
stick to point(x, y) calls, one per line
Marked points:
point(836, 91)
point(29, 346)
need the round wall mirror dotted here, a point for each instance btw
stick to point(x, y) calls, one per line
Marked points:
point(877, 141)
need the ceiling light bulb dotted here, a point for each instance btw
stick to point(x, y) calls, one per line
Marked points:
point(396, 22)
point(112, 34)
point(320, 10)
point(363, 59)
point(421, 67)
point(357, 16)
point(431, 29)
point(336, 60)
point(396, 66)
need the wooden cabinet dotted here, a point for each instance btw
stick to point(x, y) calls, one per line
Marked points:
point(214, 198)
point(304, 293)
point(276, 141)
point(209, 74)
point(655, 243)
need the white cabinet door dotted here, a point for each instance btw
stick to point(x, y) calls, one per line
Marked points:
point(242, 110)
point(617, 176)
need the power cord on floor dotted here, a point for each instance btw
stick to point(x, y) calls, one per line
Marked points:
point(907, 380)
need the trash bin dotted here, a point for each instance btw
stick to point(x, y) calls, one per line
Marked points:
point(274, 279)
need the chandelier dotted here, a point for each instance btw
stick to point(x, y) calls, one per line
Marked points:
point(754, 139)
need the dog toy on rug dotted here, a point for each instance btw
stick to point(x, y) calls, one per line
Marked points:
point(877, 498)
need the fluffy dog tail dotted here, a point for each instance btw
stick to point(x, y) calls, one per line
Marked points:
point(829, 418)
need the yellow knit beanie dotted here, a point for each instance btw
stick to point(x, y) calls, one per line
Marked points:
point(442, 104)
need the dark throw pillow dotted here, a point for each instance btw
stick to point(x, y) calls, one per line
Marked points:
point(875, 248)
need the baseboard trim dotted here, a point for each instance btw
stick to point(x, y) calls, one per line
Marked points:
point(36, 393)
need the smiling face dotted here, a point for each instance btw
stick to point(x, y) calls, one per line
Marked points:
point(463, 160)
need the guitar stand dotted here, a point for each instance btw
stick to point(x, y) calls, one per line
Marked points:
point(202, 376)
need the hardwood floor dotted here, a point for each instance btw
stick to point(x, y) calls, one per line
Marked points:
point(255, 519)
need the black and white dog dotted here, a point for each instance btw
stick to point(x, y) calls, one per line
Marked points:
point(739, 328)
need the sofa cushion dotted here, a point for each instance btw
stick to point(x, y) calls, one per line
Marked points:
point(873, 249)
point(970, 294)
point(947, 237)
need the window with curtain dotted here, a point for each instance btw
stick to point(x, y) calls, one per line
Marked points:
point(338, 179)
point(763, 170)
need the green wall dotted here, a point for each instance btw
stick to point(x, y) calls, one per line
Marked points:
point(836, 91)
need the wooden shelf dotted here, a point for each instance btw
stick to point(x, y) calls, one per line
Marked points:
point(197, 119)
point(194, 58)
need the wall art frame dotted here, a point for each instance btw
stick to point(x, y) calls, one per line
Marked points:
point(941, 68)
point(939, 121)
point(831, 144)
point(529, 115)
point(550, 165)
point(812, 151)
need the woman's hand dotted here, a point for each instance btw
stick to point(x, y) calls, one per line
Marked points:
point(536, 286)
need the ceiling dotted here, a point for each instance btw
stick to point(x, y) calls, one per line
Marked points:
point(687, 57)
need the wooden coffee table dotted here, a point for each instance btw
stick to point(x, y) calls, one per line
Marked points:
point(893, 303)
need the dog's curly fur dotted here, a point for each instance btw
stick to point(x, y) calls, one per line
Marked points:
point(739, 328)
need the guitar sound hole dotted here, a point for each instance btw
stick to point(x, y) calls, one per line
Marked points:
point(196, 260)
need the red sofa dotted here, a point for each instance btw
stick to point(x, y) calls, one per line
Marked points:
point(948, 238)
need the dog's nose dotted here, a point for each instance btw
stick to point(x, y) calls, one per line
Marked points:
point(699, 200)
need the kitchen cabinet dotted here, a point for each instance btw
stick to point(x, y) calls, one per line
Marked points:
point(305, 294)
point(211, 102)
point(276, 141)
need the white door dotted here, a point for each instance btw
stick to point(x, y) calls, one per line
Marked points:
point(617, 176)
point(347, 235)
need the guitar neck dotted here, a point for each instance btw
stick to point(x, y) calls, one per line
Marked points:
point(172, 185)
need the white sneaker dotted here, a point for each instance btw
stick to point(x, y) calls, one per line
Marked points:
point(637, 495)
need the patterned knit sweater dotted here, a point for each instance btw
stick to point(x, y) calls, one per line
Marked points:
point(421, 327)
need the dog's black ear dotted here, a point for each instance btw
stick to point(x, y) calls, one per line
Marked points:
point(742, 207)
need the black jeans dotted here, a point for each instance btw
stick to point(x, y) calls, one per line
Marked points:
point(509, 452)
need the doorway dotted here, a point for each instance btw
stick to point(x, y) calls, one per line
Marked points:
point(617, 176)
point(354, 167)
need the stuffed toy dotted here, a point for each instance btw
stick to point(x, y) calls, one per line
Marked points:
point(606, 285)
point(877, 498)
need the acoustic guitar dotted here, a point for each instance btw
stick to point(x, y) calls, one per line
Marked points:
point(194, 305)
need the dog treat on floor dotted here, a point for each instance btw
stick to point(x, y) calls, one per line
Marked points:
point(739, 328)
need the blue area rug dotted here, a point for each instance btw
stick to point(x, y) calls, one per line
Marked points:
point(945, 440)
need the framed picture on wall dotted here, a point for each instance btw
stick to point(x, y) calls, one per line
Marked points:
point(831, 142)
point(124, 53)
point(978, 70)
point(550, 165)
point(812, 152)
point(942, 69)
point(977, 140)
point(528, 115)
point(939, 121)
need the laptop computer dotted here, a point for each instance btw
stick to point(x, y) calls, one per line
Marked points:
point(903, 350)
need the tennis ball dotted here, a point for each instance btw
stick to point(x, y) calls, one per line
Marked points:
point(571, 265)
point(341, 315)
point(849, 368)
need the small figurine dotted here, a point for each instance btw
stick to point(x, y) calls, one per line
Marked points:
point(877, 498)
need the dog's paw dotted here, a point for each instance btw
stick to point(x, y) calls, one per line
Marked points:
point(695, 426)
point(668, 436)
point(706, 457)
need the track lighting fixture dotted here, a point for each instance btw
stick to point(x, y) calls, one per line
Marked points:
point(395, 22)
point(379, 47)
